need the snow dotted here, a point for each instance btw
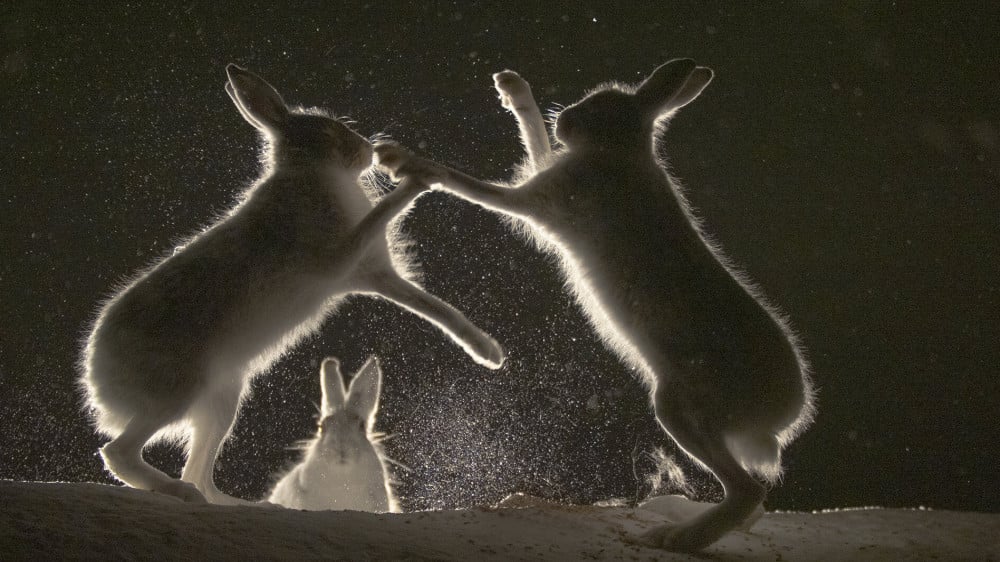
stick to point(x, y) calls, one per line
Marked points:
point(48, 521)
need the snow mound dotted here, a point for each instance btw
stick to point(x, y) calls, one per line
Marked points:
point(48, 521)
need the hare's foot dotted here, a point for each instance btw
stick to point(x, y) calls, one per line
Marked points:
point(692, 535)
point(400, 162)
point(514, 92)
point(751, 520)
point(123, 458)
point(678, 508)
point(676, 538)
point(183, 490)
point(216, 497)
point(711, 524)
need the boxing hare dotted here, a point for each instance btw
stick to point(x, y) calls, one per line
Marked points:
point(726, 375)
point(170, 355)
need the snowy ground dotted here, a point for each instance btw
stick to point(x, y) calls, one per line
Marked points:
point(49, 521)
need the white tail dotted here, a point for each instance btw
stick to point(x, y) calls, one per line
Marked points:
point(171, 353)
point(727, 376)
point(343, 466)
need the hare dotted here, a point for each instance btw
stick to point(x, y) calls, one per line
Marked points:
point(170, 355)
point(727, 376)
point(342, 467)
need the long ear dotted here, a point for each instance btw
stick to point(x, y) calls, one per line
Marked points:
point(331, 382)
point(239, 106)
point(259, 103)
point(692, 88)
point(673, 85)
point(363, 395)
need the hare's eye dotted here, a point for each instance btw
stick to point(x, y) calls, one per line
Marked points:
point(361, 425)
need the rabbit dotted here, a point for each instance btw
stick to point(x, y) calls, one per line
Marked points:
point(343, 466)
point(171, 354)
point(727, 376)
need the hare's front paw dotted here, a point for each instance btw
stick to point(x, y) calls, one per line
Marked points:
point(400, 163)
point(491, 353)
point(484, 349)
point(391, 157)
point(514, 91)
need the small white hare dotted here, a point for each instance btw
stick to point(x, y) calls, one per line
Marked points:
point(171, 354)
point(342, 467)
point(727, 377)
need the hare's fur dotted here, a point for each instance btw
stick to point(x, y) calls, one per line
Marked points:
point(726, 374)
point(170, 355)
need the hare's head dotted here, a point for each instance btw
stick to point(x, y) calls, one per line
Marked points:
point(617, 116)
point(295, 134)
point(348, 415)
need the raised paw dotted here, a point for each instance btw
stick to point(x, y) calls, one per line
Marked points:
point(391, 156)
point(486, 351)
point(182, 490)
point(401, 163)
point(514, 91)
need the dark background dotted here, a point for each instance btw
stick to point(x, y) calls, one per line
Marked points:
point(846, 155)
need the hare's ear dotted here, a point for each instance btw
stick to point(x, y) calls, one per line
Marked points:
point(259, 103)
point(331, 382)
point(239, 106)
point(673, 85)
point(362, 397)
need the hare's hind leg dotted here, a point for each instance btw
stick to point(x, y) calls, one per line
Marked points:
point(515, 95)
point(743, 496)
point(123, 457)
point(212, 418)
point(484, 349)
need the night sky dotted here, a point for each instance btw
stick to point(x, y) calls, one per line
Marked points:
point(848, 158)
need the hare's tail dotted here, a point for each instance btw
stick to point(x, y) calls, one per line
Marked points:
point(757, 453)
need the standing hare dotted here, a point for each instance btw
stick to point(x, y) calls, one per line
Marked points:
point(726, 375)
point(171, 354)
point(342, 467)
